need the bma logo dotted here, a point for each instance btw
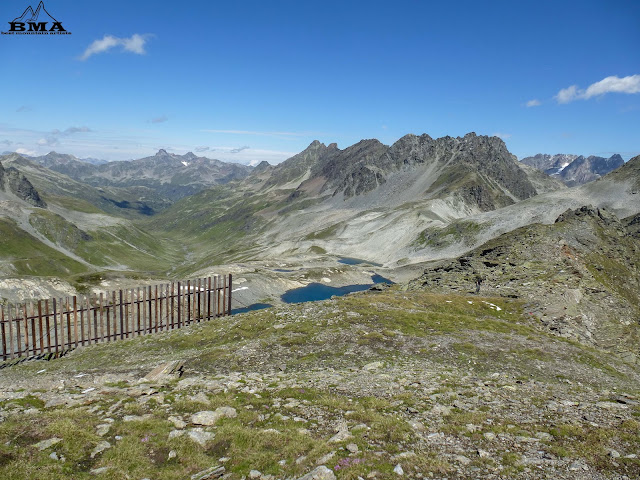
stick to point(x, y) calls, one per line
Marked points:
point(39, 22)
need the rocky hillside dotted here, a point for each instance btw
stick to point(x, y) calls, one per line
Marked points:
point(477, 169)
point(574, 169)
point(579, 276)
point(382, 385)
point(169, 175)
point(13, 181)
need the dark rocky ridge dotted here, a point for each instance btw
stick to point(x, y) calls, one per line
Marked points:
point(479, 169)
point(17, 183)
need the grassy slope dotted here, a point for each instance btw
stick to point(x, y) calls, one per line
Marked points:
point(29, 256)
point(435, 351)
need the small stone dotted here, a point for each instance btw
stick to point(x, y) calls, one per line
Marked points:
point(613, 453)
point(320, 473)
point(118, 437)
point(165, 371)
point(209, 474)
point(352, 447)
point(175, 434)
point(254, 474)
point(101, 447)
point(462, 459)
point(489, 435)
point(177, 422)
point(199, 436)
point(208, 417)
point(99, 471)
point(103, 429)
point(44, 444)
point(53, 456)
point(398, 470)
point(172, 454)
point(326, 458)
point(343, 434)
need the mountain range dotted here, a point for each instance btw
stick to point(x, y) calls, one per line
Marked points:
point(420, 199)
point(574, 169)
point(169, 175)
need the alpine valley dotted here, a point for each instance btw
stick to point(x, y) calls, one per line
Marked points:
point(508, 347)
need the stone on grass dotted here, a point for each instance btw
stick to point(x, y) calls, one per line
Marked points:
point(208, 417)
point(210, 473)
point(199, 436)
point(99, 471)
point(177, 422)
point(103, 429)
point(44, 444)
point(398, 469)
point(253, 474)
point(166, 371)
point(319, 473)
point(101, 447)
point(352, 447)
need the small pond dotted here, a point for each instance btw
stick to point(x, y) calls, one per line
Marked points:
point(356, 261)
point(250, 308)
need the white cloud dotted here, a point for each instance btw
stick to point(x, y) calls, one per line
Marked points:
point(568, 94)
point(238, 150)
point(134, 44)
point(533, 103)
point(501, 135)
point(612, 84)
point(50, 141)
point(24, 151)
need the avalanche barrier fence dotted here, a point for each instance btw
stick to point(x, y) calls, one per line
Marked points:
point(49, 328)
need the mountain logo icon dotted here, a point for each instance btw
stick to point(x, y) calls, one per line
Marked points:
point(36, 22)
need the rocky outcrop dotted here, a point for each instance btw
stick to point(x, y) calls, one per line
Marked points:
point(580, 276)
point(475, 169)
point(11, 179)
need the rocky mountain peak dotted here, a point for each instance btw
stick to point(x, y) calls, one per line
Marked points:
point(162, 153)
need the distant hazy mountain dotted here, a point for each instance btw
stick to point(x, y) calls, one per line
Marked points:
point(170, 175)
point(574, 169)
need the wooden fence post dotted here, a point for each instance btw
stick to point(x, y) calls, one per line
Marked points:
point(230, 289)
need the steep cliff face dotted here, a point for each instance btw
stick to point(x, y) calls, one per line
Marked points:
point(12, 180)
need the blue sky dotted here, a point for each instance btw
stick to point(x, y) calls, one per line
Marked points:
point(248, 81)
